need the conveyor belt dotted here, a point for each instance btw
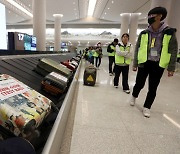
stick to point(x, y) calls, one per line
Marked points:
point(23, 70)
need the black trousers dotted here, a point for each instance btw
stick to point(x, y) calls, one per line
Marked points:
point(111, 61)
point(125, 72)
point(98, 61)
point(155, 73)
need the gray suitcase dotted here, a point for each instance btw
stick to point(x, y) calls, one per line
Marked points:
point(46, 66)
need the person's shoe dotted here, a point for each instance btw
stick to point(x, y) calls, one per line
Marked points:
point(132, 101)
point(146, 112)
point(115, 86)
point(111, 74)
point(127, 91)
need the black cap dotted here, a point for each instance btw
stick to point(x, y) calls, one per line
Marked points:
point(116, 40)
point(159, 10)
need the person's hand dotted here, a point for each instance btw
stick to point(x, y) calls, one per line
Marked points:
point(170, 73)
point(135, 69)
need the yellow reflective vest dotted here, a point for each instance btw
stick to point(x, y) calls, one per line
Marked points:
point(113, 48)
point(122, 59)
point(143, 50)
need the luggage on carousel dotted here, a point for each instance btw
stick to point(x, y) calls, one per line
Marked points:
point(22, 109)
point(54, 83)
point(90, 75)
point(74, 63)
point(77, 59)
point(69, 65)
point(46, 66)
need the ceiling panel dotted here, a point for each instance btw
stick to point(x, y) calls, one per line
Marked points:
point(114, 8)
point(83, 8)
point(70, 9)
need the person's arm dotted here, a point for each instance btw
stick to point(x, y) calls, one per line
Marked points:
point(128, 54)
point(173, 49)
point(119, 52)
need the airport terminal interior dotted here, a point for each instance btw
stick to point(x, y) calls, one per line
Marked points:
point(60, 88)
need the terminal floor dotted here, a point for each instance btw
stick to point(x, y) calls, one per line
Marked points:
point(101, 121)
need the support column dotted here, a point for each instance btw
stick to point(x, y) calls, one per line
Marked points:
point(133, 28)
point(173, 21)
point(125, 18)
point(57, 32)
point(162, 3)
point(39, 23)
point(3, 39)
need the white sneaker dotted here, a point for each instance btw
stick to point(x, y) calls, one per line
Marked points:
point(146, 112)
point(115, 86)
point(127, 91)
point(132, 101)
point(111, 74)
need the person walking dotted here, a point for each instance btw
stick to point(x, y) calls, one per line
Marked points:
point(156, 49)
point(122, 61)
point(111, 49)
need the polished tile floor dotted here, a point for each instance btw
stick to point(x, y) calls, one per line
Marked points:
point(102, 121)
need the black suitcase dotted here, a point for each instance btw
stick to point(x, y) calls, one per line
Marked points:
point(54, 83)
point(77, 59)
point(74, 63)
point(46, 66)
point(90, 76)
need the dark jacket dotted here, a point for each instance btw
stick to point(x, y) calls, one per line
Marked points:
point(109, 48)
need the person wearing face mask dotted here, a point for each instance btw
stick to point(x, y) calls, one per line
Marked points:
point(156, 49)
point(122, 61)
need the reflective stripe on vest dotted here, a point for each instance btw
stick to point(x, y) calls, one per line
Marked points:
point(113, 48)
point(121, 59)
point(165, 56)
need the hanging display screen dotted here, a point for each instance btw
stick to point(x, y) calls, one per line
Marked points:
point(21, 41)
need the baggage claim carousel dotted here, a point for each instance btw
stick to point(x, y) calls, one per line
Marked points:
point(22, 67)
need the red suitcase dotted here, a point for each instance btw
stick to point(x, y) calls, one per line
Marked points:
point(69, 65)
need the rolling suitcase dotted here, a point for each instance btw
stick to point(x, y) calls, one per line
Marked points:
point(54, 83)
point(22, 109)
point(90, 76)
point(75, 59)
point(46, 66)
point(69, 65)
point(74, 63)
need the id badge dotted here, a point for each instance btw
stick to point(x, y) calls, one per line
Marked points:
point(153, 52)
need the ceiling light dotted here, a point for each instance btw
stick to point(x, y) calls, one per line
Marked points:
point(20, 7)
point(105, 13)
point(108, 8)
point(55, 15)
point(91, 7)
point(73, 2)
point(112, 2)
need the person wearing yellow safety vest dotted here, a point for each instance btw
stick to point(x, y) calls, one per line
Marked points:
point(122, 61)
point(111, 49)
point(90, 55)
point(156, 49)
point(97, 55)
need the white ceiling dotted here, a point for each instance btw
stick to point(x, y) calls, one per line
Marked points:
point(107, 12)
